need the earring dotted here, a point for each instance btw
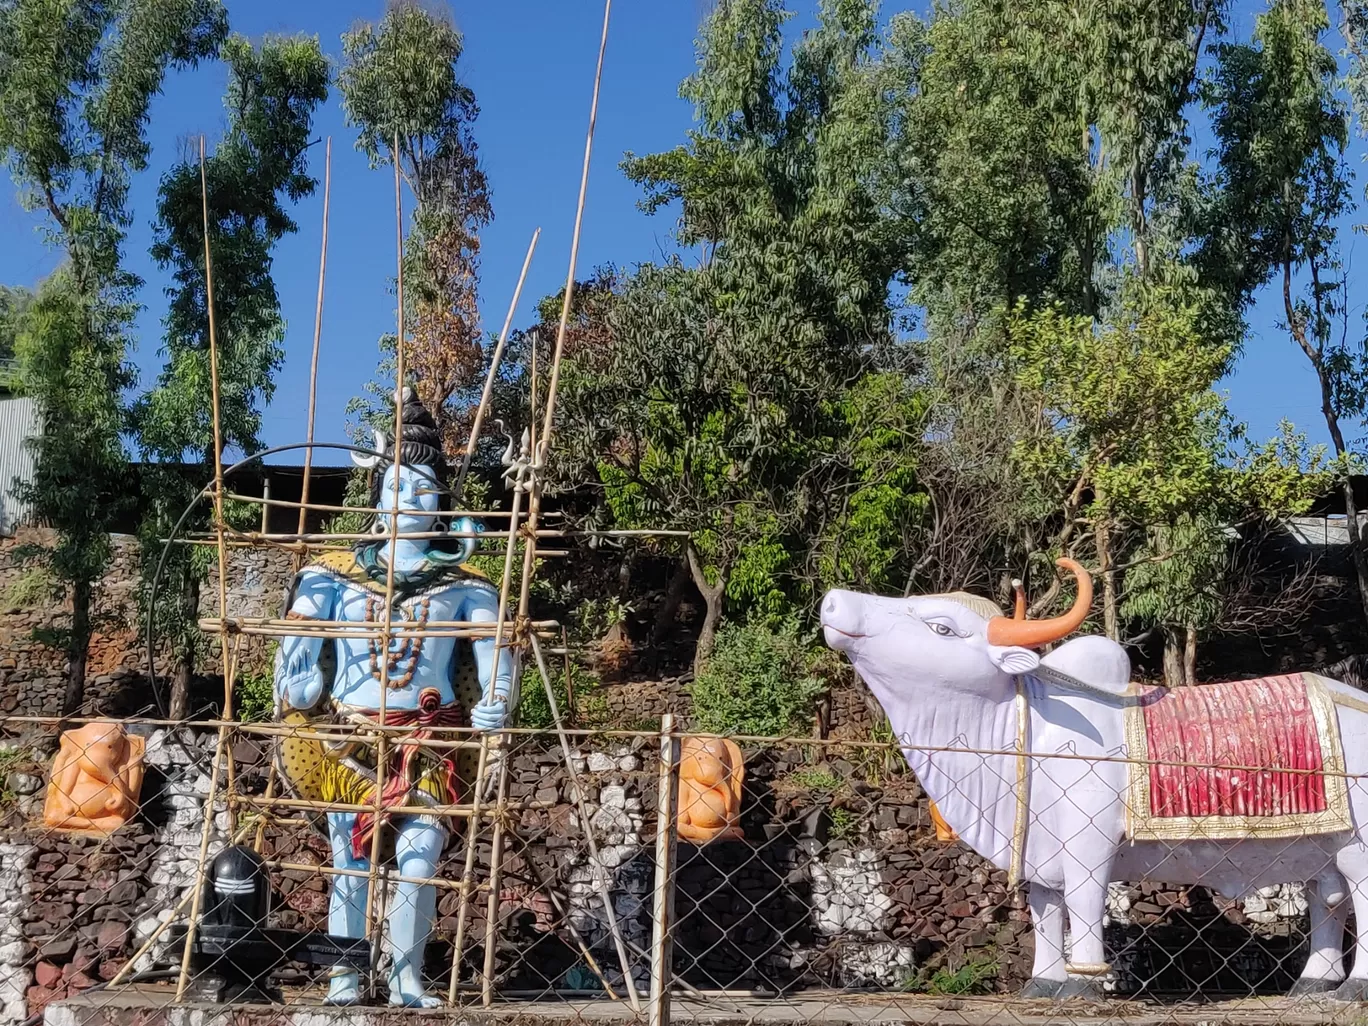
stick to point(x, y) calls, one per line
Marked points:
point(440, 527)
point(377, 527)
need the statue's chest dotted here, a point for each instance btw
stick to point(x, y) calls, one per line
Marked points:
point(359, 605)
point(414, 655)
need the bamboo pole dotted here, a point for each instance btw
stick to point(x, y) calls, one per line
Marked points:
point(544, 443)
point(467, 872)
point(323, 507)
point(227, 663)
point(667, 785)
point(325, 870)
point(609, 912)
point(200, 878)
point(424, 535)
point(434, 811)
point(318, 334)
point(218, 432)
point(494, 362)
point(162, 927)
point(554, 897)
point(495, 878)
point(259, 840)
point(398, 634)
point(373, 926)
point(346, 626)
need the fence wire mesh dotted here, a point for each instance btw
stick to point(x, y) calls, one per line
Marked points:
point(831, 893)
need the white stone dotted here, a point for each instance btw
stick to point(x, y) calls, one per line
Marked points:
point(599, 762)
point(629, 764)
point(614, 796)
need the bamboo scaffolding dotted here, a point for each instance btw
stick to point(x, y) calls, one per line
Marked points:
point(373, 924)
point(317, 338)
point(326, 870)
point(495, 876)
point(578, 792)
point(270, 631)
point(530, 864)
point(434, 811)
point(467, 874)
point(227, 663)
point(323, 507)
point(544, 443)
point(311, 536)
point(215, 623)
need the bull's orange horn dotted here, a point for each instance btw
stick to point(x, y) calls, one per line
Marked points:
point(1034, 633)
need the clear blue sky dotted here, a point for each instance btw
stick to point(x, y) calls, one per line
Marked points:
point(531, 65)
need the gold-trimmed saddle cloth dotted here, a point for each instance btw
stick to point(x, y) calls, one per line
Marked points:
point(1250, 758)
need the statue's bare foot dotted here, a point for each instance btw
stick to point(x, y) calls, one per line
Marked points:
point(401, 996)
point(345, 989)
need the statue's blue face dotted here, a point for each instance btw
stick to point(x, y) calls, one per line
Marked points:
point(417, 491)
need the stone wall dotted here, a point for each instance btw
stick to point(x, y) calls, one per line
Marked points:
point(839, 881)
point(33, 674)
point(76, 908)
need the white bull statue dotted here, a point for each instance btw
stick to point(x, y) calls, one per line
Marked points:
point(1034, 763)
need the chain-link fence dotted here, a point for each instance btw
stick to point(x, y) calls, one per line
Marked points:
point(795, 879)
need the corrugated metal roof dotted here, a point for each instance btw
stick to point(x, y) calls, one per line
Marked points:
point(18, 421)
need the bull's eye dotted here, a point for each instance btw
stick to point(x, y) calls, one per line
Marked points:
point(944, 630)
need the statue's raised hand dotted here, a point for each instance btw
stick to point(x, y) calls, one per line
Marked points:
point(299, 681)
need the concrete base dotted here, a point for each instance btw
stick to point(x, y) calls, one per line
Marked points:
point(154, 1006)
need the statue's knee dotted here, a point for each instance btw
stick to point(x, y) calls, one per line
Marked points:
point(420, 841)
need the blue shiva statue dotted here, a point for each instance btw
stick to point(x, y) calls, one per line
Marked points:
point(431, 681)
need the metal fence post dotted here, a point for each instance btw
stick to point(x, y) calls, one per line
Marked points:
point(667, 783)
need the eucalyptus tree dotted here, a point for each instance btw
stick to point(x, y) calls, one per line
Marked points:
point(254, 173)
point(400, 80)
point(76, 84)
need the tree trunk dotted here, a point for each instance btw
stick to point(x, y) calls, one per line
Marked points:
point(712, 612)
point(665, 615)
point(1313, 353)
point(1356, 543)
point(707, 635)
point(1173, 658)
point(184, 671)
point(1190, 657)
point(78, 649)
point(1110, 620)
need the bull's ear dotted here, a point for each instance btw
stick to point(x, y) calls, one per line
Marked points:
point(1013, 659)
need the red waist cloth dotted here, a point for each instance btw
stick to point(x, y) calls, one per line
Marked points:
point(400, 781)
point(1253, 745)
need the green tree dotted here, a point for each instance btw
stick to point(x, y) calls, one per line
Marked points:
point(1134, 427)
point(259, 166)
point(1281, 130)
point(739, 430)
point(401, 80)
point(76, 84)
